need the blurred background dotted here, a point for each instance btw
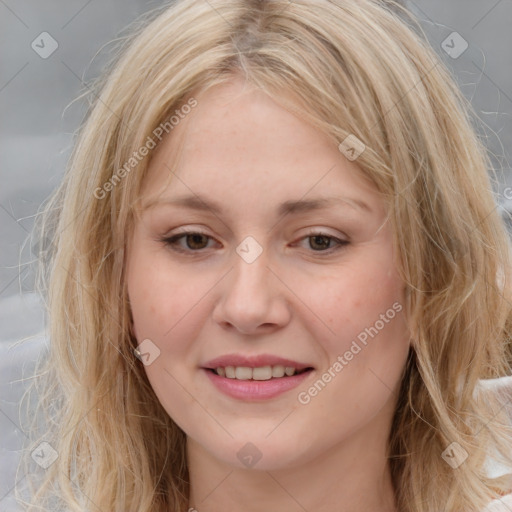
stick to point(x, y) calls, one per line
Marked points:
point(52, 50)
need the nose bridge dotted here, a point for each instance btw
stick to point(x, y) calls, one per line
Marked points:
point(250, 298)
point(250, 275)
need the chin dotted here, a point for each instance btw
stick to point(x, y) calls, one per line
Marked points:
point(258, 453)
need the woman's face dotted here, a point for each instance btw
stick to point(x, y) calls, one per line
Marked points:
point(289, 264)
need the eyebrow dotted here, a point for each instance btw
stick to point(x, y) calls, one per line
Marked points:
point(196, 202)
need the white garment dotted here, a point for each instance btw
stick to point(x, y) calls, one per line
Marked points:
point(503, 388)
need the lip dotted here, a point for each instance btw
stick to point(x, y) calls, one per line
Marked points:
point(255, 390)
point(253, 361)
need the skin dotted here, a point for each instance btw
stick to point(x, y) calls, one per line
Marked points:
point(296, 300)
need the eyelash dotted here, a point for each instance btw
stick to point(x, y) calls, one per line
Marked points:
point(173, 240)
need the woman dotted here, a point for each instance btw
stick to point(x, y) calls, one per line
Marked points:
point(278, 277)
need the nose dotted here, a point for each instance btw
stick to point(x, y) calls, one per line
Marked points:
point(252, 299)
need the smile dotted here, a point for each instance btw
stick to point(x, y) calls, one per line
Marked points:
point(255, 377)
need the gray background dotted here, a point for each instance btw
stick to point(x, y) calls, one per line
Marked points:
point(39, 118)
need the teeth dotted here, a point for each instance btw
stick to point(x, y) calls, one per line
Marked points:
point(243, 373)
point(260, 373)
point(278, 371)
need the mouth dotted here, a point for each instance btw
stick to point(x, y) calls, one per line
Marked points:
point(255, 378)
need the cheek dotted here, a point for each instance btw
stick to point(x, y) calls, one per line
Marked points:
point(167, 318)
point(156, 306)
point(371, 333)
point(352, 299)
point(366, 346)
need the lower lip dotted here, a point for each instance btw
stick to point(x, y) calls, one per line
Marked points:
point(256, 389)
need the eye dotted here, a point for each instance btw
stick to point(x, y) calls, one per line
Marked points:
point(194, 241)
point(322, 242)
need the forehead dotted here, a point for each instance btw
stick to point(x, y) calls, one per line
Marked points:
point(239, 145)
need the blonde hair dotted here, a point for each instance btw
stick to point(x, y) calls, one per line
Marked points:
point(349, 67)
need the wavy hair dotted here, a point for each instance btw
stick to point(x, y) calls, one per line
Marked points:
point(348, 67)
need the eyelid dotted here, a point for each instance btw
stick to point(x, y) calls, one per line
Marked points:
point(323, 232)
point(188, 230)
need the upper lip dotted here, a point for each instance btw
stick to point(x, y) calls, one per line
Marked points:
point(254, 361)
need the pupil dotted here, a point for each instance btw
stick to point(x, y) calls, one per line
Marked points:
point(320, 237)
point(196, 239)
